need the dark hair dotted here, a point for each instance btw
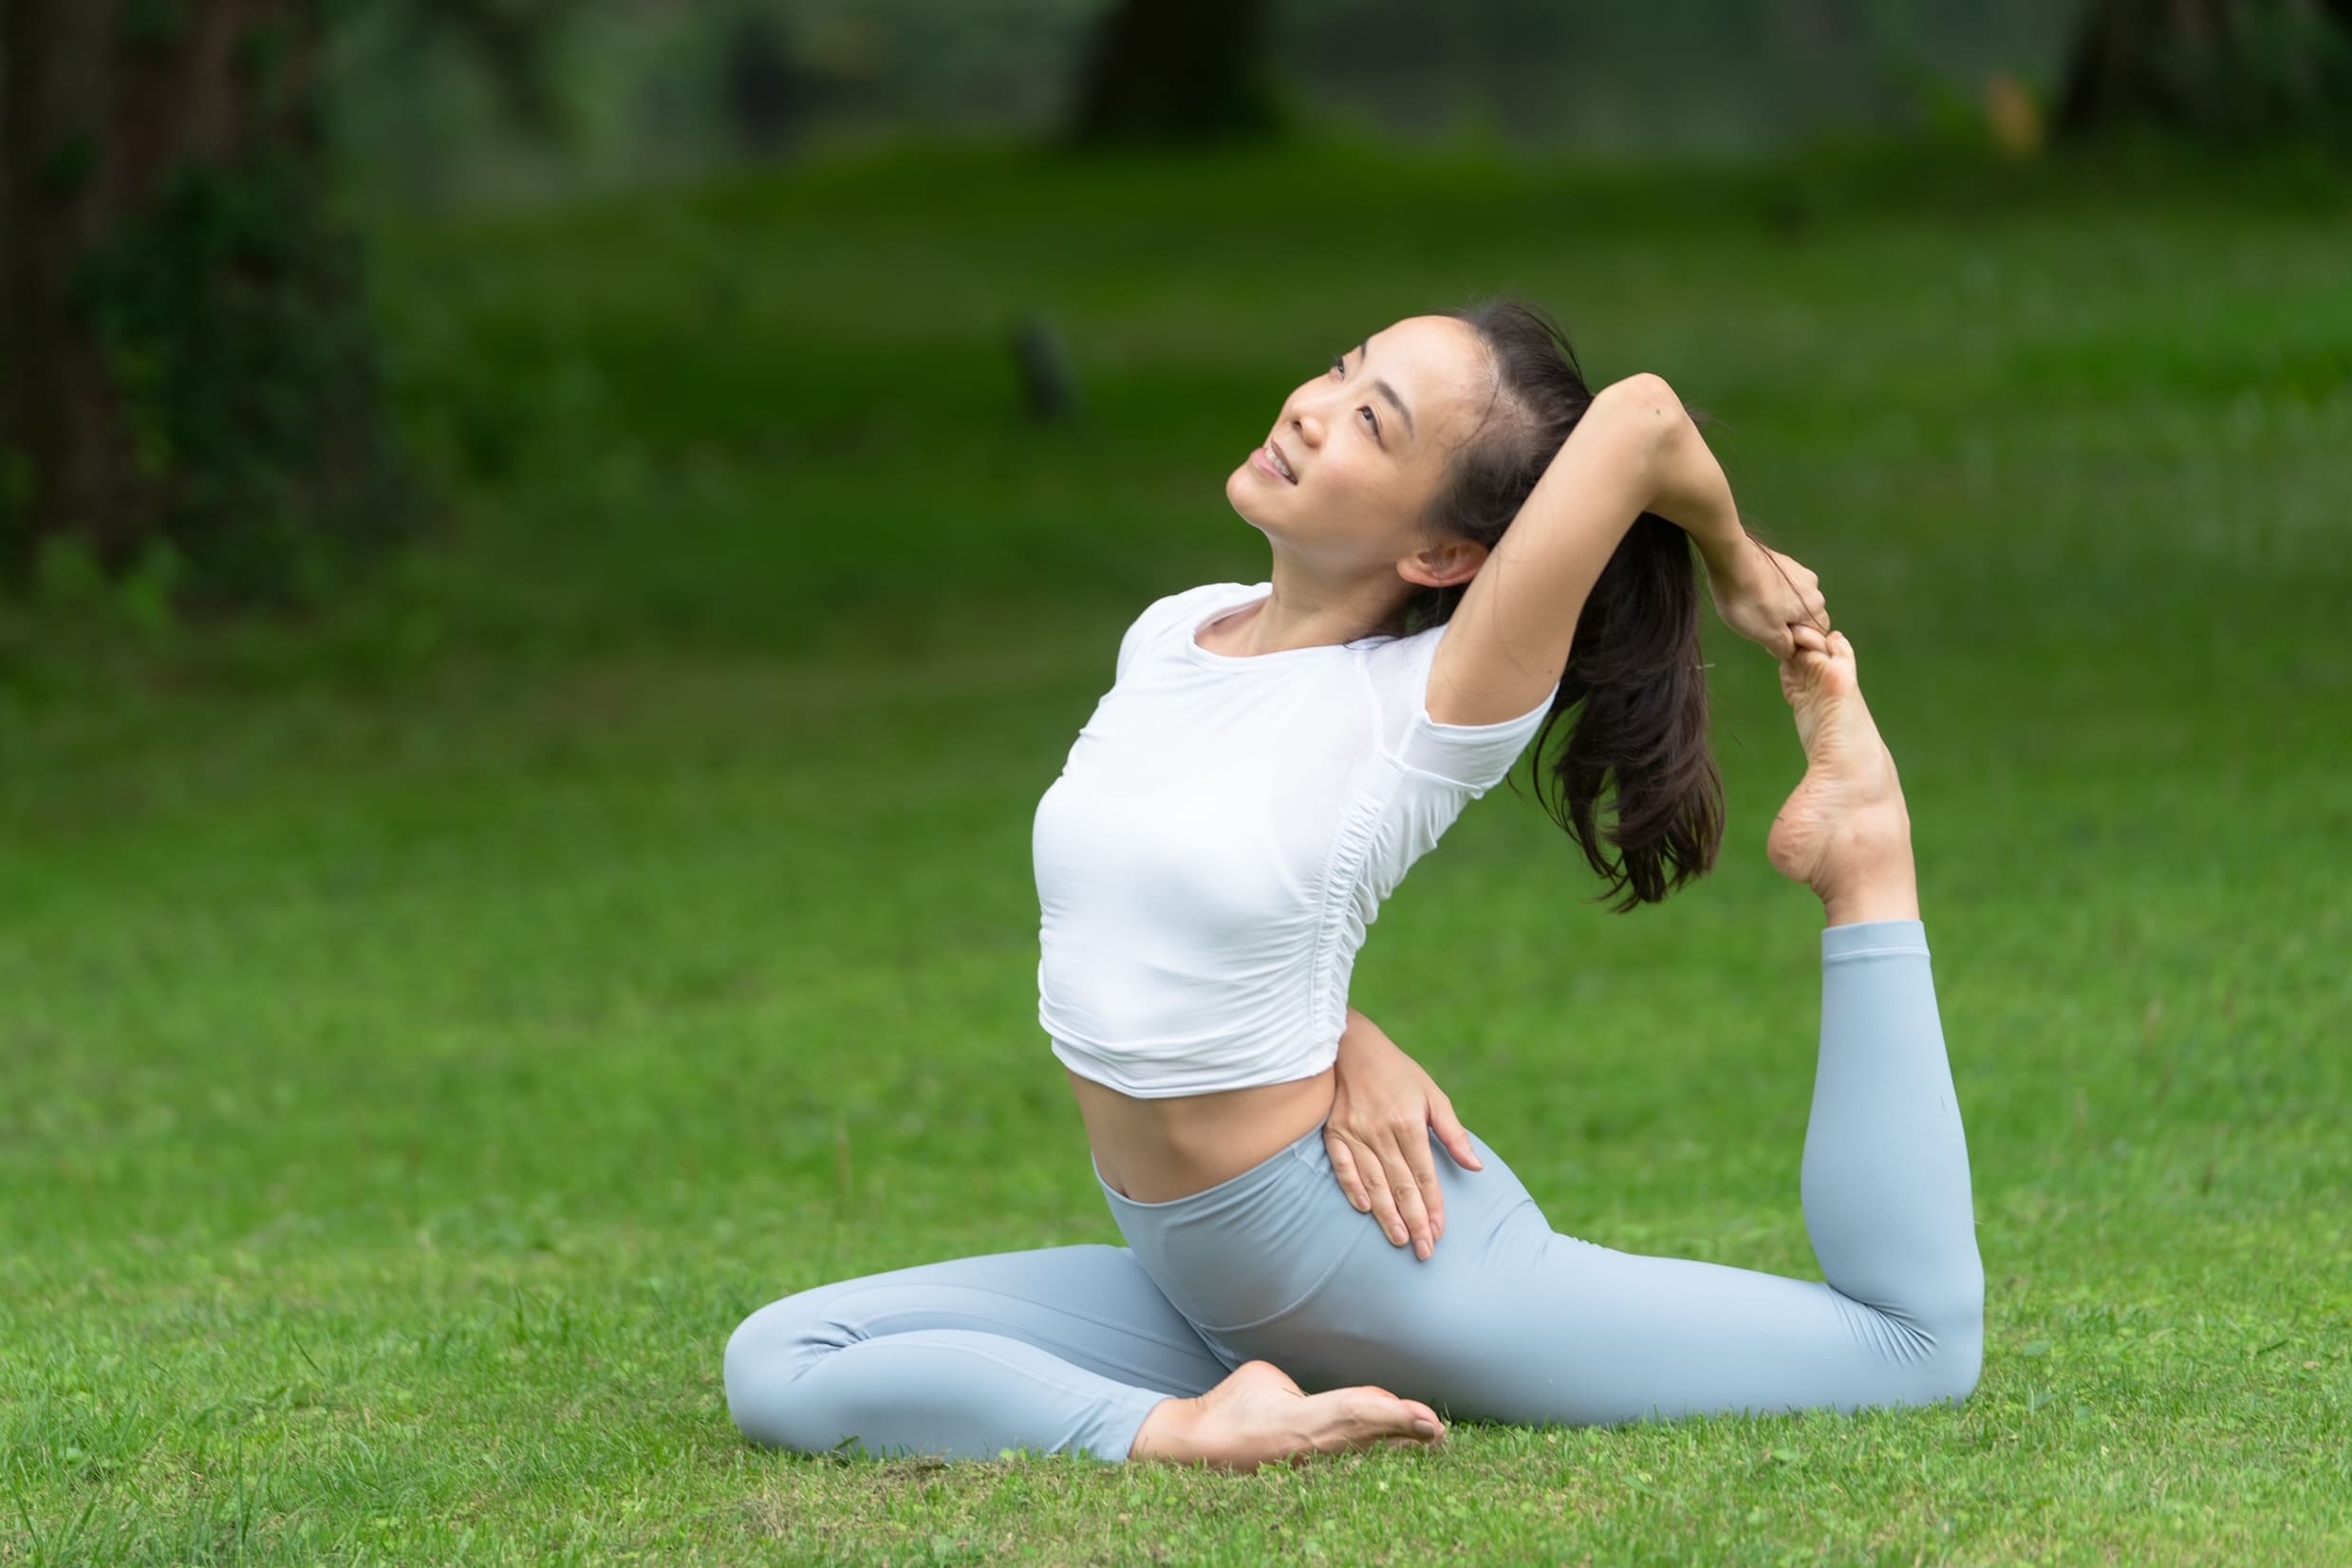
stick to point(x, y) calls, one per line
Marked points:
point(1635, 663)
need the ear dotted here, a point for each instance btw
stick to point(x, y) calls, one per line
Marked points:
point(1444, 564)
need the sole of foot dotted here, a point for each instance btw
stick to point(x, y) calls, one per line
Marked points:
point(1258, 1416)
point(1845, 831)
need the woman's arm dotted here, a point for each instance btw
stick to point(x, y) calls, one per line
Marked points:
point(1688, 487)
point(1378, 1136)
point(1636, 450)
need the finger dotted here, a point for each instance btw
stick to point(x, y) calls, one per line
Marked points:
point(1407, 1192)
point(1424, 1166)
point(1343, 1167)
point(1453, 1134)
point(1779, 646)
point(1384, 1208)
point(1806, 640)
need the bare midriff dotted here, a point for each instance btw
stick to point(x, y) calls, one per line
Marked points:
point(1158, 1149)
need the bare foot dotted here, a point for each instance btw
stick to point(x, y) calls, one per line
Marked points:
point(1845, 831)
point(1259, 1416)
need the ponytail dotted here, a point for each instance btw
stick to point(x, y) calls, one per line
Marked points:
point(1635, 666)
point(1634, 691)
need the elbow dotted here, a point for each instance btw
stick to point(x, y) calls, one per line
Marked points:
point(1645, 397)
point(1648, 411)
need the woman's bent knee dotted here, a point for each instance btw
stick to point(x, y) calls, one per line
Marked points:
point(1965, 1364)
point(1959, 1333)
point(767, 1351)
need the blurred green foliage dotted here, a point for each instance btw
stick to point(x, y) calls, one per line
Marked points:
point(245, 375)
point(639, 89)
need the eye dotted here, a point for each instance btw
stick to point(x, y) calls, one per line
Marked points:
point(1340, 368)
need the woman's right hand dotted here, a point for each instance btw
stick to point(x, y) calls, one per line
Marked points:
point(1761, 593)
point(1378, 1136)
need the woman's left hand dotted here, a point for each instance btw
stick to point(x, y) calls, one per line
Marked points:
point(1761, 594)
point(1378, 1136)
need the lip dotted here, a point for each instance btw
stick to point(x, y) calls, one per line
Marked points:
point(1263, 463)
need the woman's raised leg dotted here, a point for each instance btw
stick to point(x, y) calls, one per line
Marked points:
point(1886, 1187)
point(1886, 1167)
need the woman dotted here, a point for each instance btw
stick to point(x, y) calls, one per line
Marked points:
point(1468, 544)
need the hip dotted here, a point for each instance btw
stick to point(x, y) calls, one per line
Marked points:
point(1276, 1257)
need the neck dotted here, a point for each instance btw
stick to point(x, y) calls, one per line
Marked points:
point(1307, 610)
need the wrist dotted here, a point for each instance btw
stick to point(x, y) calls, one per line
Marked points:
point(1362, 1035)
point(1731, 563)
point(1357, 1029)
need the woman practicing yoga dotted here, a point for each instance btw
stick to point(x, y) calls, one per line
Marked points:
point(1467, 543)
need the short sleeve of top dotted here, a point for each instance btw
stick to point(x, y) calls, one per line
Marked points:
point(1470, 757)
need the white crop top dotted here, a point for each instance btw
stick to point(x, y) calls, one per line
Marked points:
point(1222, 837)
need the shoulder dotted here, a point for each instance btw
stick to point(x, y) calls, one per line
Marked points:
point(1471, 756)
point(1403, 662)
point(1163, 614)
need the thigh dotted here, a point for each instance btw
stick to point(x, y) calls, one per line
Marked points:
point(1092, 1306)
point(1510, 1320)
point(1562, 1329)
point(1342, 1304)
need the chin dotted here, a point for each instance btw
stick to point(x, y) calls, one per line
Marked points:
point(1236, 488)
point(1244, 489)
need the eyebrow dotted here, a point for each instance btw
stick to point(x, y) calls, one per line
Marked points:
point(1387, 391)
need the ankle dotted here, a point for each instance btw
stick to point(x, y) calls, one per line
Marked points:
point(1887, 892)
point(1168, 1431)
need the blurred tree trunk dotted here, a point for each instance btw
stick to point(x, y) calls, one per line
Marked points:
point(766, 93)
point(2210, 66)
point(181, 360)
point(1177, 72)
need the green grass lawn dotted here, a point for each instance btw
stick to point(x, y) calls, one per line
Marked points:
point(429, 1032)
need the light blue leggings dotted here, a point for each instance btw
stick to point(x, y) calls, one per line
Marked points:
point(1070, 1347)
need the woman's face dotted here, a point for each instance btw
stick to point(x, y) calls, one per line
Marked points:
point(1367, 443)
